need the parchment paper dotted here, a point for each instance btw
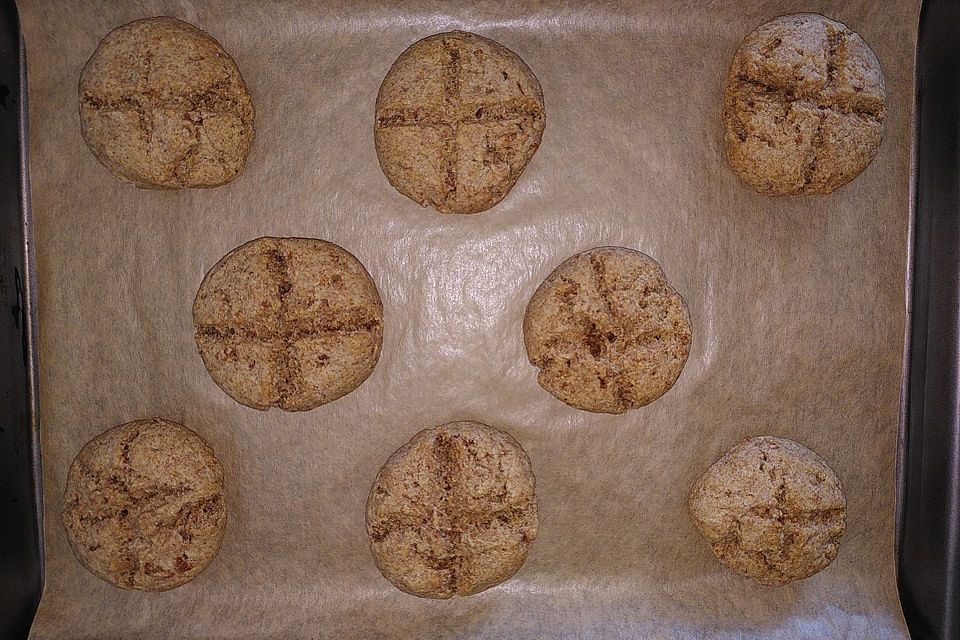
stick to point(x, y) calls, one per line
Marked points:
point(797, 306)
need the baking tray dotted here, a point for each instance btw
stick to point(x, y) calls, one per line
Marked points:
point(21, 547)
point(928, 505)
point(928, 531)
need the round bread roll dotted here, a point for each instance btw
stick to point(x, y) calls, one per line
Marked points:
point(144, 506)
point(292, 323)
point(453, 511)
point(607, 331)
point(458, 117)
point(771, 509)
point(804, 106)
point(163, 106)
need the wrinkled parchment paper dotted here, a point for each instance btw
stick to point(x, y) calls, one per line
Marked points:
point(797, 306)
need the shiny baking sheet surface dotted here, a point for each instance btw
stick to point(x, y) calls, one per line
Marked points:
point(797, 307)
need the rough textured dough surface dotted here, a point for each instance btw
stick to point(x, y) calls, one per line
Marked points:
point(607, 331)
point(772, 510)
point(804, 106)
point(458, 117)
point(292, 323)
point(163, 106)
point(144, 506)
point(453, 511)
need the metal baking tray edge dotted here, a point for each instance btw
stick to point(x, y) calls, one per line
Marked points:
point(21, 532)
point(928, 458)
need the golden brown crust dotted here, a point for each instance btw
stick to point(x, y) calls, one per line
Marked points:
point(144, 506)
point(772, 510)
point(292, 323)
point(804, 106)
point(453, 511)
point(607, 331)
point(458, 117)
point(163, 106)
